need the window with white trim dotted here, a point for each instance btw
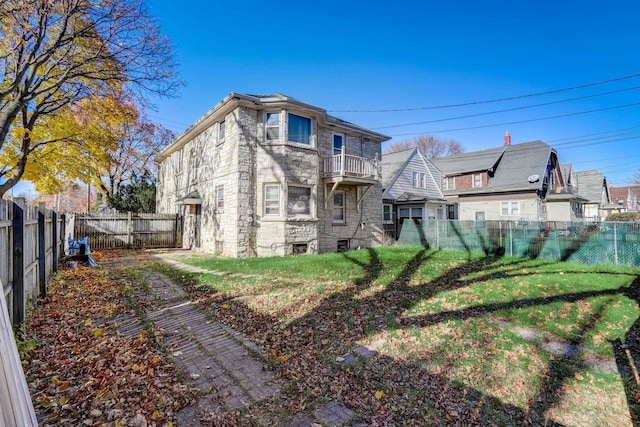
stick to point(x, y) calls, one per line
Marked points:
point(272, 199)
point(298, 201)
point(338, 143)
point(339, 207)
point(220, 198)
point(449, 182)
point(510, 208)
point(416, 179)
point(272, 126)
point(477, 180)
point(410, 213)
point(387, 214)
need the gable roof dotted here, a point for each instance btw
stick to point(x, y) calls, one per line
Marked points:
point(511, 165)
point(391, 163)
point(590, 184)
point(394, 164)
point(476, 161)
point(621, 195)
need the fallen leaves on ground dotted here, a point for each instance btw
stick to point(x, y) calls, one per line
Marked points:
point(81, 372)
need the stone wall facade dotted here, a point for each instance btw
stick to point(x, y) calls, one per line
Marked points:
point(252, 220)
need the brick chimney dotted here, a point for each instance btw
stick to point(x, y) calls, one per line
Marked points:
point(507, 138)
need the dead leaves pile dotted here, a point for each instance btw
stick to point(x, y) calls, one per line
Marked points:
point(81, 372)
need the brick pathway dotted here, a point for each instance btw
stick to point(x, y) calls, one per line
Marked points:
point(214, 358)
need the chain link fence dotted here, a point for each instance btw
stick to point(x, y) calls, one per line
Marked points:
point(587, 242)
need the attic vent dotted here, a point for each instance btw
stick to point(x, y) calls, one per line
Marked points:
point(533, 178)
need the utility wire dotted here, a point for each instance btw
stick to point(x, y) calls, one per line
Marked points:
point(490, 100)
point(508, 109)
point(523, 121)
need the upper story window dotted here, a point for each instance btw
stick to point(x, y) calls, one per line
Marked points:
point(272, 126)
point(477, 180)
point(299, 129)
point(221, 131)
point(419, 179)
point(449, 182)
point(338, 143)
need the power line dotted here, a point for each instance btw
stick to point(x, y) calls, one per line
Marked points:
point(508, 109)
point(511, 98)
point(522, 121)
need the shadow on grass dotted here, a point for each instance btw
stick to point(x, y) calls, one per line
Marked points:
point(340, 320)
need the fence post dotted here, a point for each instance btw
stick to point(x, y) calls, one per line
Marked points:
point(615, 243)
point(54, 240)
point(42, 251)
point(129, 229)
point(18, 260)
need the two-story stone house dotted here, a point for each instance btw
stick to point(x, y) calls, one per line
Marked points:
point(270, 176)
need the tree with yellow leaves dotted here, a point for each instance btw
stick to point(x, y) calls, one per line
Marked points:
point(55, 57)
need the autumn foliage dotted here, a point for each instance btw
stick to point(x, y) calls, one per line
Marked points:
point(82, 372)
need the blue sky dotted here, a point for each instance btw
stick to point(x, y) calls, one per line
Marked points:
point(364, 55)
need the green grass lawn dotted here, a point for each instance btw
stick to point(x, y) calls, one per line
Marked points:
point(462, 338)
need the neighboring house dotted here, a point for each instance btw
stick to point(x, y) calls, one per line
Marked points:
point(410, 190)
point(270, 175)
point(626, 198)
point(592, 185)
point(511, 182)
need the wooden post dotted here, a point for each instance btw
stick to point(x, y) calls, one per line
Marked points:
point(129, 229)
point(18, 260)
point(42, 251)
point(55, 239)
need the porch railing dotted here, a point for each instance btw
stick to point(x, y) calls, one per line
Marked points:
point(347, 165)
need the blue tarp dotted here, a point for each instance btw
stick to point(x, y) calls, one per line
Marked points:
point(81, 246)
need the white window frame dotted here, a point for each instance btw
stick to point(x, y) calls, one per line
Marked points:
point(342, 209)
point(388, 214)
point(478, 177)
point(423, 180)
point(310, 203)
point(342, 142)
point(266, 127)
point(415, 179)
point(509, 208)
point(219, 198)
point(272, 206)
point(449, 182)
point(411, 211)
point(311, 130)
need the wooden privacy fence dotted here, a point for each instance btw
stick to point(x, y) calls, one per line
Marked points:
point(31, 242)
point(127, 230)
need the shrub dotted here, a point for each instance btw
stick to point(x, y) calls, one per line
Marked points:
point(624, 216)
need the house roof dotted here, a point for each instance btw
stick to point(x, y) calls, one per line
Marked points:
point(620, 195)
point(264, 102)
point(590, 184)
point(512, 166)
point(393, 165)
point(476, 161)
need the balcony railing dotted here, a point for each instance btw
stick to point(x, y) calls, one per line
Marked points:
point(351, 166)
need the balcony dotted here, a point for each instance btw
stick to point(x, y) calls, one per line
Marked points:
point(348, 169)
point(344, 169)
